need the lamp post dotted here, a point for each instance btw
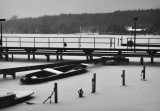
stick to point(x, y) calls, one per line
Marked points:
point(1, 38)
point(1, 31)
point(135, 19)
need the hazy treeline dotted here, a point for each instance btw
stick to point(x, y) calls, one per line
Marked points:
point(113, 23)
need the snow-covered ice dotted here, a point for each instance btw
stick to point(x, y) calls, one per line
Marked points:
point(110, 95)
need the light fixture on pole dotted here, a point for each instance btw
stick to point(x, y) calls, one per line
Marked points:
point(1, 31)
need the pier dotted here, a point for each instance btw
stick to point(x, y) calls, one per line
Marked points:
point(76, 46)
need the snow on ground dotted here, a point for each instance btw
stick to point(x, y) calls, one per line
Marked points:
point(110, 94)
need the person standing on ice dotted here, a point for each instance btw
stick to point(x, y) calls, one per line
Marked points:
point(80, 92)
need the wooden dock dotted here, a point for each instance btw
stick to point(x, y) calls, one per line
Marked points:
point(98, 47)
point(88, 52)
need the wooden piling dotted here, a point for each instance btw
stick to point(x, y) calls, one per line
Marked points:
point(144, 72)
point(141, 60)
point(87, 57)
point(29, 56)
point(12, 57)
point(123, 78)
point(94, 83)
point(33, 56)
point(57, 57)
point(152, 60)
point(61, 55)
point(56, 92)
point(91, 57)
point(6, 57)
point(48, 58)
point(57, 54)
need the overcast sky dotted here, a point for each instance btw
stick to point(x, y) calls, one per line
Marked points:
point(35, 8)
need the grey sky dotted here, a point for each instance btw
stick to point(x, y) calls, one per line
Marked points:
point(35, 8)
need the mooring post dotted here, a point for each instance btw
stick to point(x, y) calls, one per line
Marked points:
point(141, 60)
point(152, 61)
point(91, 57)
point(48, 58)
point(61, 55)
point(87, 57)
point(94, 83)
point(123, 78)
point(33, 54)
point(28, 56)
point(1, 56)
point(144, 72)
point(57, 54)
point(6, 57)
point(56, 92)
point(12, 57)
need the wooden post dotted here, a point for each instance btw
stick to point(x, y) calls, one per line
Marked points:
point(152, 61)
point(56, 92)
point(144, 72)
point(87, 57)
point(123, 78)
point(28, 56)
point(91, 57)
point(33, 56)
point(141, 60)
point(6, 57)
point(14, 75)
point(12, 57)
point(61, 55)
point(57, 54)
point(94, 83)
point(48, 58)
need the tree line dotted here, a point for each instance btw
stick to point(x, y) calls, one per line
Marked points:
point(103, 23)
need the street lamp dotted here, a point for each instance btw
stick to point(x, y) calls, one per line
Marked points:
point(1, 31)
point(1, 38)
point(135, 19)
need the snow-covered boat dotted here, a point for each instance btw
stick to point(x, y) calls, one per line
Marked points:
point(48, 74)
point(13, 97)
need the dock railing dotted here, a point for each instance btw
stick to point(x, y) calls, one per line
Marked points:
point(50, 42)
point(143, 43)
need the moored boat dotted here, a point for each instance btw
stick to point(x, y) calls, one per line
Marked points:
point(59, 72)
point(12, 97)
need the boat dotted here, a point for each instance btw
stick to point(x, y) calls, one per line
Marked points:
point(8, 97)
point(49, 74)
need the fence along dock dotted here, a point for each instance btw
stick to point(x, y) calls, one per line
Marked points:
point(74, 46)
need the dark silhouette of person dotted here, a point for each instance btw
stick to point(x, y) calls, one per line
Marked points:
point(80, 92)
